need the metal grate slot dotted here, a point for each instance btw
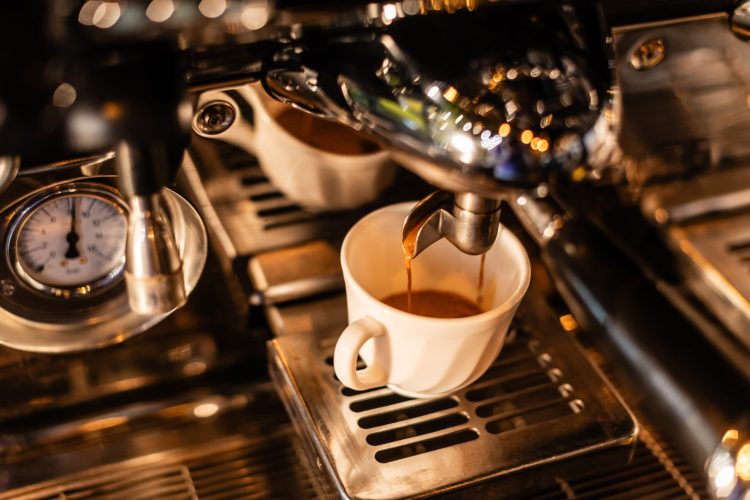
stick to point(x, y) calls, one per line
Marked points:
point(416, 443)
point(410, 431)
point(520, 363)
point(346, 391)
point(527, 398)
point(508, 385)
point(644, 477)
point(253, 179)
point(738, 247)
point(516, 419)
point(410, 450)
point(378, 402)
point(279, 210)
point(269, 195)
point(411, 412)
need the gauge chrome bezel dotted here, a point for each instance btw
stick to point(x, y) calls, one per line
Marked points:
point(23, 213)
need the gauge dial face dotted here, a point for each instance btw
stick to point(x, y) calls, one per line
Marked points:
point(72, 240)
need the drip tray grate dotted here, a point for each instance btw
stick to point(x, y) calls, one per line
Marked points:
point(540, 409)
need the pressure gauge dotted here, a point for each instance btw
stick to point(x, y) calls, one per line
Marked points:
point(70, 242)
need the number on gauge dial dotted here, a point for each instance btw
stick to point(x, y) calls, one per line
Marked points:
point(72, 240)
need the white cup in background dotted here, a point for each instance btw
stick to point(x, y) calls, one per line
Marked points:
point(314, 178)
point(419, 356)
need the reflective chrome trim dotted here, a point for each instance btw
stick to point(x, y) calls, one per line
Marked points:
point(30, 206)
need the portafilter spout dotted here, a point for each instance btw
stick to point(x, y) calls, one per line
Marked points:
point(469, 221)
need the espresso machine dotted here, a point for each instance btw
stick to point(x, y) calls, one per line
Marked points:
point(168, 315)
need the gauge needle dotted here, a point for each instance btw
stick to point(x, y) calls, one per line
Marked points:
point(72, 236)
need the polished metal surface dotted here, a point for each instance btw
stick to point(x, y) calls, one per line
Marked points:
point(541, 405)
point(8, 170)
point(739, 21)
point(89, 165)
point(717, 261)
point(153, 269)
point(510, 116)
point(295, 272)
point(43, 323)
point(692, 198)
point(470, 222)
point(218, 442)
point(31, 204)
point(214, 118)
point(688, 114)
point(648, 54)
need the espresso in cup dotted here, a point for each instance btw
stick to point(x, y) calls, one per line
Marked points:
point(423, 353)
point(433, 303)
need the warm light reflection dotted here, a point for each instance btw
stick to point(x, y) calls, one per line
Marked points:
point(86, 14)
point(111, 110)
point(578, 174)
point(742, 467)
point(724, 481)
point(504, 130)
point(255, 15)
point(568, 323)
point(721, 473)
point(104, 423)
point(106, 15)
point(527, 136)
point(212, 8)
point(450, 94)
point(730, 437)
point(390, 12)
point(64, 96)
point(543, 146)
point(205, 410)
point(464, 146)
point(160, 10)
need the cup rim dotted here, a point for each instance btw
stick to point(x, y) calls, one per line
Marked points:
point(298, 142)
point(504, 307)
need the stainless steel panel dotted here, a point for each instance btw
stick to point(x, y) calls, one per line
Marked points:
point(540, 403)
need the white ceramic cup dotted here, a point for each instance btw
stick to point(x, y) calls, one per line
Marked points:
point(312, 177)
point(419, 356)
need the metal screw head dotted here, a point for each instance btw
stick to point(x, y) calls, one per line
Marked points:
point(214, 118)
point(648, 54)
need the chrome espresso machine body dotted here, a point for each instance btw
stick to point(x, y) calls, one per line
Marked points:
point(609, 136)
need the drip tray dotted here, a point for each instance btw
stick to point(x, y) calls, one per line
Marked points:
point(541, 411)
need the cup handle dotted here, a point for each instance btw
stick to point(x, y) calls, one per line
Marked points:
point(347, 349)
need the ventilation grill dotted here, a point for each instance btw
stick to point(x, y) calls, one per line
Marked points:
point(145, 482)
point(261, 468)
point(266, 470)
point(645, 477)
